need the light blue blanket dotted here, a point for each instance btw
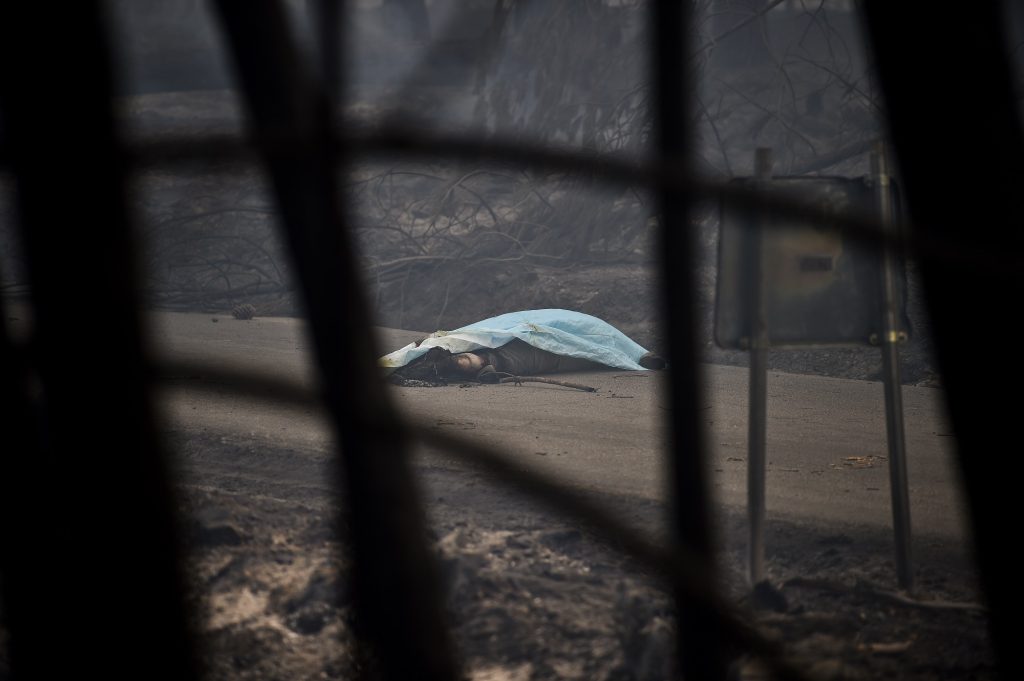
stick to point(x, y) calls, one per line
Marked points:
point(563, 332)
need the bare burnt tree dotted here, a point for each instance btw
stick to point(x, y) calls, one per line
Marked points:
point(569, 73)
point(743, 24)
point(789, 75)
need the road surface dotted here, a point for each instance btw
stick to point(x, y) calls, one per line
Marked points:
point(535, 594)
point(826, 437)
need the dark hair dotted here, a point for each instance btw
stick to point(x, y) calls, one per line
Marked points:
point(447, 366)
point(436, 366)
point(431, 367)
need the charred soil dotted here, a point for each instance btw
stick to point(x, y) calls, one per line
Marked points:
point(532, 595)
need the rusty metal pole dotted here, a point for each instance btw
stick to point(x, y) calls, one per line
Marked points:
point(890, 339)
point(757, 422)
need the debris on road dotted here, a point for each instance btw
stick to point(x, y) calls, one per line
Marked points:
point(869, 461)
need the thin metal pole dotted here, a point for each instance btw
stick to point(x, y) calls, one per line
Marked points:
point(700, 648)
point(889, 342)
point(757, 422)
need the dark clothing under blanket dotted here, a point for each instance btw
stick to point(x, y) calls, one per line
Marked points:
point(522, 359)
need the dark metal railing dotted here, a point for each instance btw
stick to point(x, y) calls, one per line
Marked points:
point(91, 576)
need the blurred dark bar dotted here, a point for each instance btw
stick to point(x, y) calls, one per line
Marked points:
point(967, 185)
point(91, 566)
point(19, 462)
point(327, 14)
point(397, 600)
point(701, 655)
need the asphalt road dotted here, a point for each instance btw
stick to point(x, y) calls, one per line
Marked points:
point(826, 437)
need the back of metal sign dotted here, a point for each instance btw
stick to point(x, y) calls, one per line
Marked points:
point(820, 287)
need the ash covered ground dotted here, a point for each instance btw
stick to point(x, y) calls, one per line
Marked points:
point(532, 595)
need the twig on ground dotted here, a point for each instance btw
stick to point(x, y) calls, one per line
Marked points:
point(536, 379)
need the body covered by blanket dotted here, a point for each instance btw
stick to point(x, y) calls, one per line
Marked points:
point(561, 332)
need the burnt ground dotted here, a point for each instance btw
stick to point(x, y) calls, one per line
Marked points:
point(533, 595)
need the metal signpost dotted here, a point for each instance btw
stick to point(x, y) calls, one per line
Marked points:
point(757, 423)
point(892, 335)
point(784, 285)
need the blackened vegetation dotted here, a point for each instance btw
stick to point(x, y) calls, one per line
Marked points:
point(433, 233)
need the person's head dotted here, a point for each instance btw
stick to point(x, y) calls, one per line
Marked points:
point(464, 364)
